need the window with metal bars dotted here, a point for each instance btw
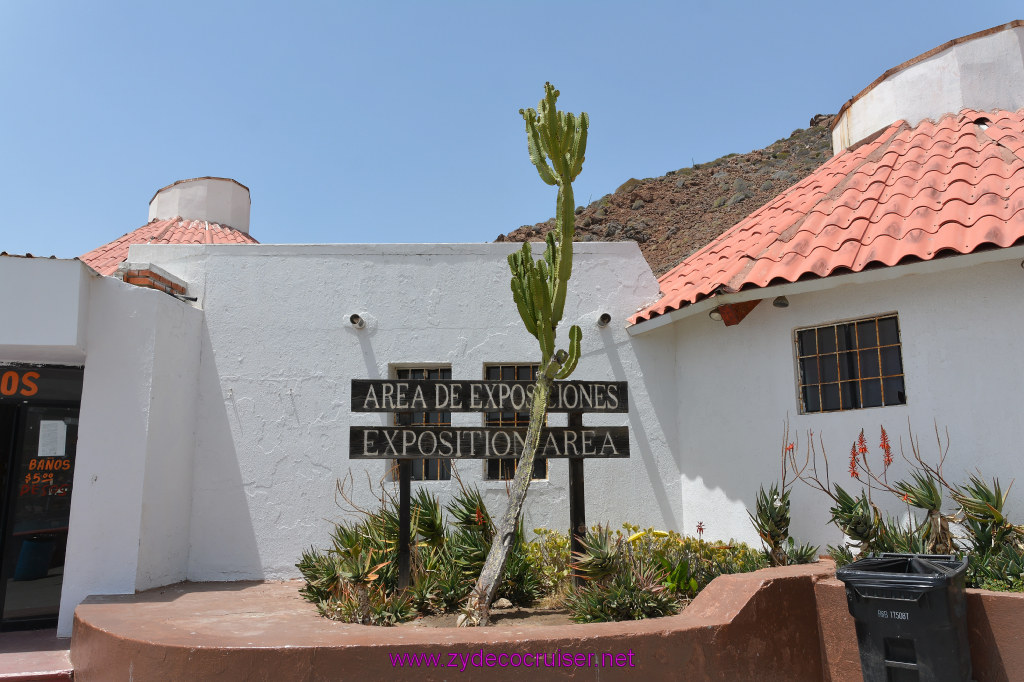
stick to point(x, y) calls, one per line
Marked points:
point(851, 365)
point(425, 469)
point(505, 469)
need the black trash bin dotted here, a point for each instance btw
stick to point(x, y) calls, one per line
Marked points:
point(911, 616)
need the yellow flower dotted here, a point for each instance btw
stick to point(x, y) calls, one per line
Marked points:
point(636, 536)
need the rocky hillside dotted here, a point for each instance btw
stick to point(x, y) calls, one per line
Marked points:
point(674, 215)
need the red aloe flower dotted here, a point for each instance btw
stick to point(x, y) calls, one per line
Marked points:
point(862, 443)
point(853, 460)
point(479, 517)
point(700, 529)
point(789, 448)
point(886, 448)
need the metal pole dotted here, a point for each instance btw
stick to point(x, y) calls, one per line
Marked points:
point(404, 521)
point(577, 504)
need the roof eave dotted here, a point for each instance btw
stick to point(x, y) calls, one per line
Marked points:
point(942, 264)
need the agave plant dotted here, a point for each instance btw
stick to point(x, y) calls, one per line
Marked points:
point(924, 493)
point(346, 537)
point(771, 522)
point(600, 555)
point(427, 521)
point(469, 549)
point(314, 567)
point(800, 554)
point(858, 518)
point(998, 570)
point(632, 594)
point(982, 508)
point(467, 510)
point(905, 538)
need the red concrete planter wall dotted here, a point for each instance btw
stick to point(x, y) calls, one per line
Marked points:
point(776, 624)
point(755, 626)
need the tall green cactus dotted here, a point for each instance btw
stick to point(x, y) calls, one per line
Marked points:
point(557, 142)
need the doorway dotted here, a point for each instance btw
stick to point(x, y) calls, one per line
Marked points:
point(38, 444)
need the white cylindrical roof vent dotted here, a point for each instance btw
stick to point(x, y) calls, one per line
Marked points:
point(216, 200)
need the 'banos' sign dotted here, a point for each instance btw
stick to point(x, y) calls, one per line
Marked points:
point(40, 384)
point(13, 382)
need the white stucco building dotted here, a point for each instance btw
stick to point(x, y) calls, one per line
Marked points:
point(214, 403)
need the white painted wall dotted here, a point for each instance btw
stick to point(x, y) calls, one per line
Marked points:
point(983, 73)
point(960, 331)
point(167, 486)
point(43, 310)
point(279, 354)
point(217, 200)
point(211, 439)
point(129, 505)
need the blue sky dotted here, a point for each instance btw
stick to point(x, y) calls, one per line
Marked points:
point(398, 121)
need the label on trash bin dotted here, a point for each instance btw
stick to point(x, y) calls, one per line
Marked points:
point(893, 615)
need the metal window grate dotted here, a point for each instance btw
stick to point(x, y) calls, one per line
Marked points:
point(505, 469)
point(425, 469)
point(851, 365)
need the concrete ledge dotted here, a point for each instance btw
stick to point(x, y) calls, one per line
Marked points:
point(760, 625)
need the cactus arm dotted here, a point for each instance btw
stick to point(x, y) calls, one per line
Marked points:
point(575, 336)
point(522, 302)
point(563, 256)
point(542, 306)
point(579, 145)
point(536, 148)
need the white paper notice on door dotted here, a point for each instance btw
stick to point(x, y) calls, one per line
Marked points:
point(53, 435)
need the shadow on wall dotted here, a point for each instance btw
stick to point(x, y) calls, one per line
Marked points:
point(222, 537)
point(653, 355)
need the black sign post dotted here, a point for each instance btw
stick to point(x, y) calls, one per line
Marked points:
point(405, 443)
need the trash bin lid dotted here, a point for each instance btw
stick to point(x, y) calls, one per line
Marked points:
point(920, 571)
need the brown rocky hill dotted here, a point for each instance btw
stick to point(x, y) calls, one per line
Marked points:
point(672, 216)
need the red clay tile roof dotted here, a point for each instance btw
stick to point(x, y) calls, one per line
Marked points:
point(908, 194)
point(105, 259)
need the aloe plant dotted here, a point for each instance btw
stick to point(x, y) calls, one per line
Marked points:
point(771, 521)
point(557, 143)
point(599, 557)
point(924, 493)
point(858, 518)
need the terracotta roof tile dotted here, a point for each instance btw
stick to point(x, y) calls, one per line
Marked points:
point(955, 184)
point(106, 258)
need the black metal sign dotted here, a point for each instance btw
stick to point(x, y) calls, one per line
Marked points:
point(413, 442)
point(405, 443)
point(369, 395)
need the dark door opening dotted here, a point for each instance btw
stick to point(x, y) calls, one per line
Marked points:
point(38, 443)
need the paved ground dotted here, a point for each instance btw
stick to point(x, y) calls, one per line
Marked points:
point(34, 655)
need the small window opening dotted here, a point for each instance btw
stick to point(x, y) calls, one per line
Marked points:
point(505, 469)
point(850, 365)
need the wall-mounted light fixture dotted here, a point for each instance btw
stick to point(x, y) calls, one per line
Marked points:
point(604, 320)
point(781, 302)
point(357, 321)
point(715, 315)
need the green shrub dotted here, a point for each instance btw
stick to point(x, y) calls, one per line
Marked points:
point(355, 579)
point(994, 545)
point(549, 555)
point(649, 573)
point(625, 596)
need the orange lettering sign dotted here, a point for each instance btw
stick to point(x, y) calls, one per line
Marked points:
point(12, 383)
